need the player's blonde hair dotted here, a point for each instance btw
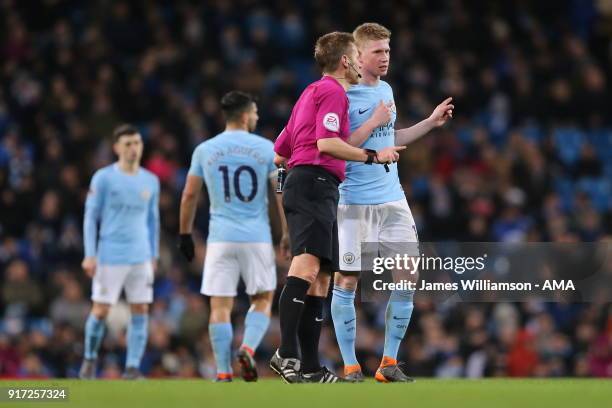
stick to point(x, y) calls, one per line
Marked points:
point(370, 31)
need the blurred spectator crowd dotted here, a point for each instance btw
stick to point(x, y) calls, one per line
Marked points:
point(528, 157)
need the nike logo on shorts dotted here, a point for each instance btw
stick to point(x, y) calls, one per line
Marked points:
point(348, 321)
point(298, 301)
point(400, 318)
point(318, 320)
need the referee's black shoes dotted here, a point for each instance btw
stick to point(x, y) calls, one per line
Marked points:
point(323, 376)
point(287, 368)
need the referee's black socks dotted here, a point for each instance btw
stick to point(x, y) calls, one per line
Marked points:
point(290, 306)
point(309, 333)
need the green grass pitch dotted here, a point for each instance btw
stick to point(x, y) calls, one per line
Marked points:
point(271, 393)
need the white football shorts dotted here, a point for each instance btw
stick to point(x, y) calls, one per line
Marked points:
point(136, 279)
point(227, 262)
point(377, 223)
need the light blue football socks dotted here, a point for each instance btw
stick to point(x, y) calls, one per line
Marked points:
point(397, 318)
point(94, 333)
point(255, 327)
point(221, 339)
point(137, 334)
point(345, 323)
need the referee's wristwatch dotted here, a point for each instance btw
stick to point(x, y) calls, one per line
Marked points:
point(371, 156)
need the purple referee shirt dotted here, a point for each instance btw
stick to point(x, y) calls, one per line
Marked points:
point(320, 112)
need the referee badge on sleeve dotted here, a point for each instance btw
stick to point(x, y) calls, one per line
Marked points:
point(331, 122)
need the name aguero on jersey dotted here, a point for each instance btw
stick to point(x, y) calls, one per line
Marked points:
point(237, 151)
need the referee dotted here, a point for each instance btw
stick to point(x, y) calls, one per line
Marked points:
point(313, 146)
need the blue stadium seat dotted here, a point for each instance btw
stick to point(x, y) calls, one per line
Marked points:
point(602, 142)
point(565, 188)
point(532, 132)
point(568, 143)
point(464, 134)
point(608, 170)
point(420, 187)
point(599, 191)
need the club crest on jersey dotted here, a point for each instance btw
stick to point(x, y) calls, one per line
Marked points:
point(392, 107)
point(145, 195)
point(331, 122)
point(348, 258)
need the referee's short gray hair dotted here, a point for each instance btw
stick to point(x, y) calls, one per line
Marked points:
point(330, 48)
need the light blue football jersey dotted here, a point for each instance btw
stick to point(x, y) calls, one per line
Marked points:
point(121, 223)
point(236, 167)
point(371, 184)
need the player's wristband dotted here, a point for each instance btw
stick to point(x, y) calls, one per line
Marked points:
point(371, 156)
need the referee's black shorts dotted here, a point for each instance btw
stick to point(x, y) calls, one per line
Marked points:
point(310, 200)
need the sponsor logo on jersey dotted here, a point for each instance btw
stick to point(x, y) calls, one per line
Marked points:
point(331, 122)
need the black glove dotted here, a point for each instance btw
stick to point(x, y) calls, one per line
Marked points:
point(185, 245)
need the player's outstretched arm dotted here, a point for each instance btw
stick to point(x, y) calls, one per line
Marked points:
point(441, 114)
point(189, 203)
point(381, 116)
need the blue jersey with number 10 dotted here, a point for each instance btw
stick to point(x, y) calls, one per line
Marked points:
point(235, 166)
point(371, 184)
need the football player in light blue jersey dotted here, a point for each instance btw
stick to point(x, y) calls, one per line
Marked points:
point(373, 206)
point(121, 234)
point(237, 167)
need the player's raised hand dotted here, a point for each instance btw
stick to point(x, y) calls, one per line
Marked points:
point(442, 113)
point(381, 115)
point(89, 266)
point(186, 246)
point(389, 154)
